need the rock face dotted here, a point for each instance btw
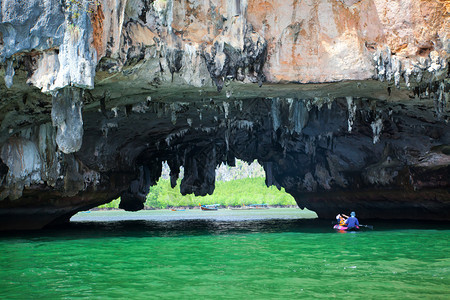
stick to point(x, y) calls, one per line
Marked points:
point(344, 103)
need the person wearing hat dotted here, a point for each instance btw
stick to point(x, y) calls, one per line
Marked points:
point(352, 222)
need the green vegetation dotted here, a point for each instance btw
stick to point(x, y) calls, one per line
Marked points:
point(74, 9)
point(229, 193)
point(112, 204)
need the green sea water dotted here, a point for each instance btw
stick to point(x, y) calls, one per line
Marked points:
point(270, 254)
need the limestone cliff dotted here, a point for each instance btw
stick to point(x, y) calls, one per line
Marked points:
point(344, 103)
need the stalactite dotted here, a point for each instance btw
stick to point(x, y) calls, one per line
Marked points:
point(67, 117)
point(275, 113)
point(9, 73)
point(351, 106)
point(376, 126)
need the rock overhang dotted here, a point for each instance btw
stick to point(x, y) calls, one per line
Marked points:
point(364, 114)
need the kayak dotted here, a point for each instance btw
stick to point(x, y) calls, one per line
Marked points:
point(357, 228)
point(345, 228)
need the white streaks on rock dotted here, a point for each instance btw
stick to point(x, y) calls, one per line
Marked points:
point(376, 126)
point(351, 107)
point(9, 74)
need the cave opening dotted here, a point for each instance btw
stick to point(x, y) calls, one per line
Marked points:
point(239, 186)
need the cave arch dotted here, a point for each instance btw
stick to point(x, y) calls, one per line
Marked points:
point(330, 154)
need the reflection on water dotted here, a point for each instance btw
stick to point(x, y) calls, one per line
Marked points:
point(164, 223)
point(224, 221)
point(211, 227)
point(224, 256)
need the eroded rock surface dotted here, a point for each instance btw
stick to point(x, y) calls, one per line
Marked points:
point(344, 103)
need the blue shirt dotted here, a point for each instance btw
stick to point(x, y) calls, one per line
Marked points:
point(352, 222)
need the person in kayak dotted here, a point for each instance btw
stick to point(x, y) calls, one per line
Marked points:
point(340, 218)
point(352, 222)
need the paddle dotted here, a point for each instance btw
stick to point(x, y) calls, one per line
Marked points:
point(366, 226)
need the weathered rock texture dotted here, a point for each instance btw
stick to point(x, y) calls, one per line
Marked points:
point(344, 103)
